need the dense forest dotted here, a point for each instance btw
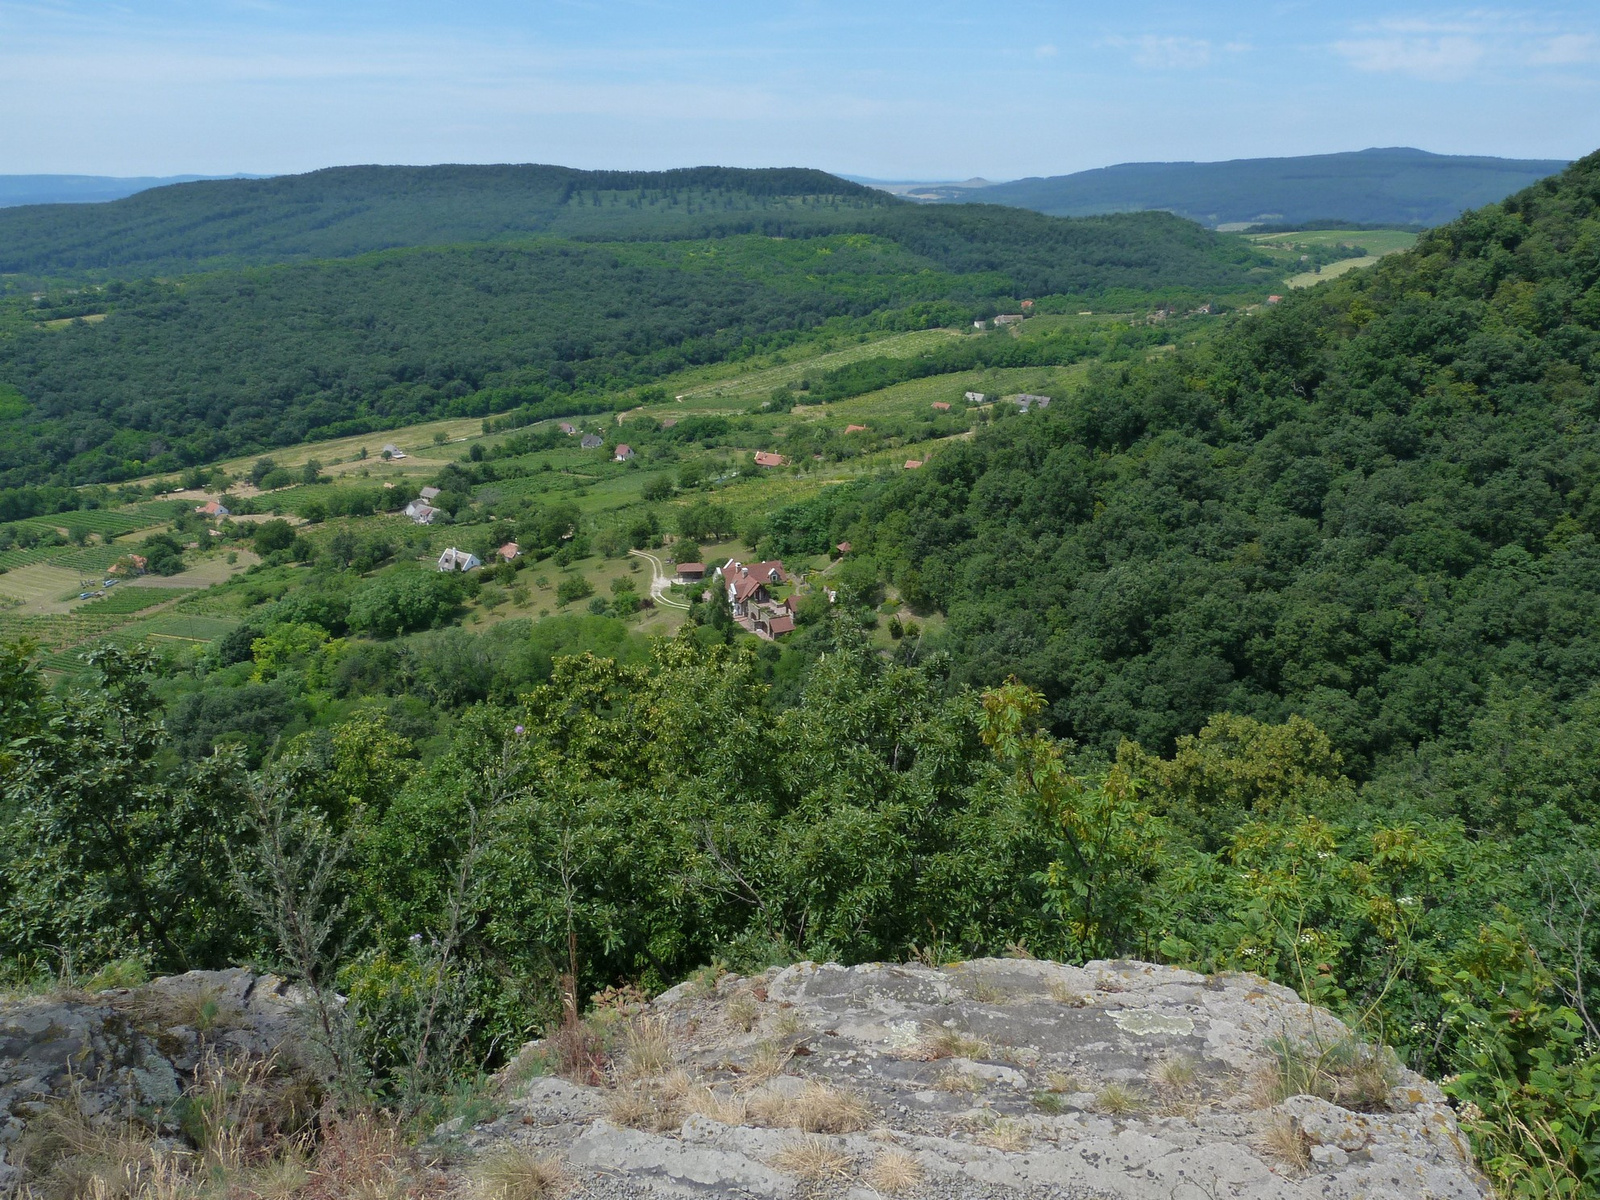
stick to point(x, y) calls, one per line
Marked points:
point(170, 374)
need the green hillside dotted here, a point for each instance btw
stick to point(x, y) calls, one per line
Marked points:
point(1385, 187)
point(345, 211)
point(114, 381)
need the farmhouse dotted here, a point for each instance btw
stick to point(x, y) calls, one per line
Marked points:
point(212, 508)
point(429, 493)
point(1026, 400)
point(747, 583)
point(974, 397)
point(390, 450)
point(765, 458)
point(568, 428)
point(509, 551)
point(1008, 319)
point(913, 463)
point(624, 452)
point(422, 512)
point(843, 548)
point(855, 428)
point(591, 441)
point(942, 405)
point(690, 572)
point(458, 560)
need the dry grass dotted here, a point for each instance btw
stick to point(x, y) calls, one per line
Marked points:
point(719, 1106)
point(986, 992)
point(1062, 994)
point(949, 1043)
point(518, 1173)
point(1180, 1073)
point(1345, 1072)
point(1007, 1134)
point(956, 1081)
point(1062, 1081)
point(819, 1108)
point(813, 1160)
point(656, 1105)
point(742, 1011)
point(1286, 1142)
point(894, 1173)
point(1118, 1099)
point(767, 1062)
point(787, 1023)
point(646, 1049)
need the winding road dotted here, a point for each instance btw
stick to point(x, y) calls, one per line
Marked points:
point(660, 581)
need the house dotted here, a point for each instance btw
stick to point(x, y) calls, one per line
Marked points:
point(1027, 306)
point(458, 560)
point(429, 493)
point(212, 508)
point(509, 551)
point(913, 463)
point(973, 397)
point(1025, 400)
point(979, 325)
point(591, 441)
point(1008, 319)
point(422, 512)
point(624, 452)
point(390, 450)
point(765, 458)
point(747, 583)
point(128, 564)
point(855, 428)
point(942, 405)
point(1274, 299)
point(568, 428)
point(774, 627)
point(844, 548)
point(689, 572)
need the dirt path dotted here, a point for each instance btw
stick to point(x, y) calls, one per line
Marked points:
point(660, 581)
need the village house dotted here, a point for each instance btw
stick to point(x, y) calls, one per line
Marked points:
point(591, 441)
point(1008, 319)
point(843, 548)
point(509, 551)
point(212, 508)
point(422, 512)
point(979, 325)
point(129, 564)
point(1027, 306)
point(429, 493)
point(942, 405)
point(747, 584)
point(974, 397)
point(765, 458)
point(458, 560)
point(624, 452)
point(390, 450)
point(568, 428)
point(774, 627)
point(855, 428)
point(913, 463)
point(1026, 400)
point(691, 572)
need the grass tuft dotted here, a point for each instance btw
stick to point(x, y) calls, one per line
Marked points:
point(519, 1173)
point(1287, 1142)
point(894, 1173)
point(1118, 1099)
point(812, 1160)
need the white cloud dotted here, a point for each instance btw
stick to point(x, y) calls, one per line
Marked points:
point(1449, 57)
point(1160, 53)
point(1045, 51)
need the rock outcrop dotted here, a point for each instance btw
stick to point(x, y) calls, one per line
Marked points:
point(996, 1078)
point(130, 1051)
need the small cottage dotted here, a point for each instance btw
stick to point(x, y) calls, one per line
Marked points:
point(458, 560)
point(422, 512)
point(509, 551)
point(212, 508)
point(390, 450)
point(591, 441)
point(624, 452)
point(429, 493)
point(765, 458)
point(691, 572)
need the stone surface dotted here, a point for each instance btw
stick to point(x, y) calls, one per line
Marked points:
point(130, 1052)
point(992, 1075)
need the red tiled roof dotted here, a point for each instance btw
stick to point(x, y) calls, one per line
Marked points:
point(780, 625)
point(913, 463)
point(941, 405)
point(765, 458)
point(855, 428)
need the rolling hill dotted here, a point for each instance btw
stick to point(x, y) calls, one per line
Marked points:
point(85, 189)
point(344, 211)
point(1397, 186)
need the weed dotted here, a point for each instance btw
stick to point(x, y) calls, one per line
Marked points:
point(742, 1011)
point(1346, 1072)
point(951, 1043)
point(787, 1023)
point(767, 1062)
point(726, 1109)
point(1062, 1081)
point(894, 1173)
point(1287, 1142)
point(647, 1048)
point(1049, 1102)
point(1007, 1134)
point(1178, 1074)
point(1062, 994)
point(1118, 1099)
point(703, 983)
point(956, 1081)
point(517, 1173)
point(123, 973)
point(984, 991)
point(813, 1160)
point(819, 1108)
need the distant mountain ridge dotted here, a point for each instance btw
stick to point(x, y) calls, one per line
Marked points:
point(1393, 186)
point(17, 190)
point(340, 212)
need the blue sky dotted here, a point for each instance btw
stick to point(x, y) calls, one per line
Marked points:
point(895, 90)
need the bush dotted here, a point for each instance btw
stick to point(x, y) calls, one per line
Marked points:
point(573, 587)
point(402, 603)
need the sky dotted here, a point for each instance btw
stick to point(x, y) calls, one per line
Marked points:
point(892, 90)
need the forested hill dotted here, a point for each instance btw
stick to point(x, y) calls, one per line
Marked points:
point(1377, 505)
point(1391, 186)
point(172, 373)
point(344, 211)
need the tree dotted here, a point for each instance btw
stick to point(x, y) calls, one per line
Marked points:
point(273, 535)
